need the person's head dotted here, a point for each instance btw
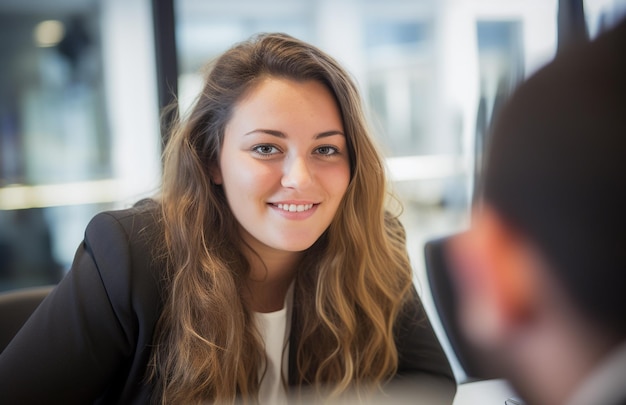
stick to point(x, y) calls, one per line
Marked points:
point(247, 72)
point(278, 125)
point(543, 266)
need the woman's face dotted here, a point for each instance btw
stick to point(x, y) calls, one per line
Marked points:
point(284, 164)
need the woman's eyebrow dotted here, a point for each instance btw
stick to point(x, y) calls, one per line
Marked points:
point(329, 133)
point(272, 132)
point(280, 134)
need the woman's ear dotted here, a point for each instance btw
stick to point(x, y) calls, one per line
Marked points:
point(495, 284)
point(216, 175)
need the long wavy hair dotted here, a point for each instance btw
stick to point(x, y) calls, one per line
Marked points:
point(349, 286)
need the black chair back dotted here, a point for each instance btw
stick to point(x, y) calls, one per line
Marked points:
point(445, 299)
point(16, 306)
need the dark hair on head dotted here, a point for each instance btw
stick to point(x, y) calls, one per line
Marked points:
point(350, 286)
point(556, 169)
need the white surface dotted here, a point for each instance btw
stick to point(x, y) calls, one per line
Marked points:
point(489, 392)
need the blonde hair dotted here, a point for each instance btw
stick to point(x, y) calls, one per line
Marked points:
point(349, 287)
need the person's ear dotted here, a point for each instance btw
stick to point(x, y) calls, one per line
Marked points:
point(216, 174)
point(493, 276)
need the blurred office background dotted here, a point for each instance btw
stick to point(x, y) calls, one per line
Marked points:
point(82, 83)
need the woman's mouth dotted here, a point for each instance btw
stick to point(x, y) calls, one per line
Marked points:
point(294, 207)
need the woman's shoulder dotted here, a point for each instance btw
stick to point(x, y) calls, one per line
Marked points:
point(142, 220)
point(127, 247)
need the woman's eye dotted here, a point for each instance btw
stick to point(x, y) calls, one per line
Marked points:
point(265, 150)
point(327, 150)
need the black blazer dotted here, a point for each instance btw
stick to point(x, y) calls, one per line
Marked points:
point(90, 340)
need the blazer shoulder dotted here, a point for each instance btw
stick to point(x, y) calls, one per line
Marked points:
point(128, 250)
point(142, 221)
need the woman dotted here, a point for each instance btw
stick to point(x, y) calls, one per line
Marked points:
point(267, 264)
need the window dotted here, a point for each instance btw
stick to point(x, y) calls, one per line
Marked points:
point(78, 126)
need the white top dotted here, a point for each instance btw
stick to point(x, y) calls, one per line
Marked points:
point(274, 328)
point(606, 384)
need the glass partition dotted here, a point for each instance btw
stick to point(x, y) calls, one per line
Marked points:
point(78, 126)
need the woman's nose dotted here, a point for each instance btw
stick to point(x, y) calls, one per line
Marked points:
point(296, 173)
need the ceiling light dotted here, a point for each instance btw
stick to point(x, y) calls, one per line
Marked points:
point(48, 33)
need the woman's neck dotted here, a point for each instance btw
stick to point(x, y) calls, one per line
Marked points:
point(271, 274)
point(267, 296)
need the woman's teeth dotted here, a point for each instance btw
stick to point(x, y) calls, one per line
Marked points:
point(294, 207)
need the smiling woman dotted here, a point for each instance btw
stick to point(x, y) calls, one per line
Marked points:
point(267, 270)
point(297, 160)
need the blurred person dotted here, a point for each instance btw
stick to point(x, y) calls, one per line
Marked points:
point(541, 273)
point(269, 263)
